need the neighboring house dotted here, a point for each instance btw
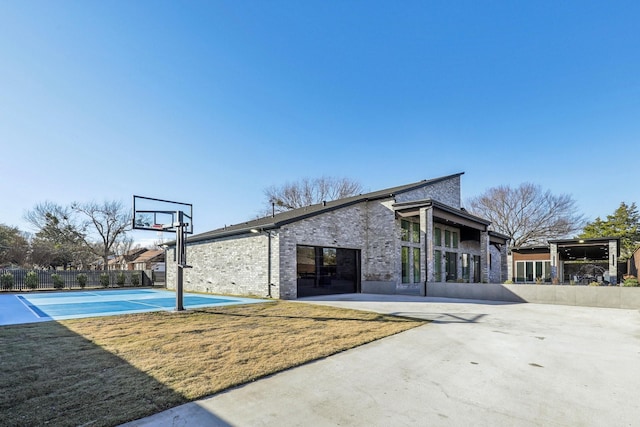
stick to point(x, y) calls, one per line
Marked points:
point(124, 262)
point(149, 260)
point(570, 261)
point(390, 241)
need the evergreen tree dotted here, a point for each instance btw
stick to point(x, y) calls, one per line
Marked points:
point(623, 224)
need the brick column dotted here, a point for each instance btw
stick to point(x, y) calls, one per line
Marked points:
point(484, 256)
point(505, 261)
point(555, 264)
point(426, 230)
point(613, 262)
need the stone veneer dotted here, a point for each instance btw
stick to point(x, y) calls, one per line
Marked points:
point(233, 265)
point(238, 264)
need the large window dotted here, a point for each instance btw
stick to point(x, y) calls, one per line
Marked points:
point(406, 264)
point(416, 265)
point(451, 266)
point(322, 271)
point(437, 237)
point(405, 230)
point(450, 239)
point(476, 269)
point(533, 271)
point(410, 256)
point(437, 266)
point(410, 265)
point(466, 267)
point(410, 231)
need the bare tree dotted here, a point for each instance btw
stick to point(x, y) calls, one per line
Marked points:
point(527, 214)
point(102, 226)
point(307, 192)
point(82, 227)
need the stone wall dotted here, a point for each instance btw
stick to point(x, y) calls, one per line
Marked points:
point(341, 228)
point(447, 192)
point(234, 265)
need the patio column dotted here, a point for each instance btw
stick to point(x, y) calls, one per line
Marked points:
point(426, 231)
point(555, 262)
point(485, 257)
point(613, 262)
point(505, 261)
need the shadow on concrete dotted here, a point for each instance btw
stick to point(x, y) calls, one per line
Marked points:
point(441, 318)
point(405, 298)
point(379, 318)
point(51, 375)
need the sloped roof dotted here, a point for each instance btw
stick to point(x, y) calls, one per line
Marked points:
point(283, 218)
point(148, 255)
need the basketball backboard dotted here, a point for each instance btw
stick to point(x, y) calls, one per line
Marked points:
point(161, 215)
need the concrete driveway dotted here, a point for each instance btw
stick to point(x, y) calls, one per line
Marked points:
point(478, 363)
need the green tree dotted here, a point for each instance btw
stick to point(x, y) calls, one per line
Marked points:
point(624, 224)
point(14, 246)
point(56, 239)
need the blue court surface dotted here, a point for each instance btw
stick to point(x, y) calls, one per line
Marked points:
point(47, 306)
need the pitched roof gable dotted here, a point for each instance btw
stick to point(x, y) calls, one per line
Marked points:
point(287, 217)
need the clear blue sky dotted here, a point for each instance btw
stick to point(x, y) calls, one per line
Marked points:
point(211, 102)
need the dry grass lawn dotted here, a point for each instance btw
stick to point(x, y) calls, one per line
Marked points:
point(108, 370)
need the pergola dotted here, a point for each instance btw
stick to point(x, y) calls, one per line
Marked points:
point(575, 252)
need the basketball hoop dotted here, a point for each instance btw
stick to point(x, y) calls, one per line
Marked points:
point(163, 216)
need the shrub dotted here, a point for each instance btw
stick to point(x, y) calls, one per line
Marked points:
point(58, 281)
point(135, 279)
point(594, 284)
point(631, 281)
point(7, 281)
point(508, 282)
point(31, 280)
point(82, 280)
point(104, 280)
point(121, 278)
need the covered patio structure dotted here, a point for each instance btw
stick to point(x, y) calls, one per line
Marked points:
point(582, 261)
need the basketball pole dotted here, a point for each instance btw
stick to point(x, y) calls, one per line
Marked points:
point(181, 258)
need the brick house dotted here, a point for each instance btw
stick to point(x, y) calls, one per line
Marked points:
point(123, 262)
point(395, 240)
point(151, 259)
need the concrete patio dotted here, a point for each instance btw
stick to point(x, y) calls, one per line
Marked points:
point(477, 363)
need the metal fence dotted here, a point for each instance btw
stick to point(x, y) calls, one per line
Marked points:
point(69, 278)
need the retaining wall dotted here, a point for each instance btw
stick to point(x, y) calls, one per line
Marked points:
point(588, 296)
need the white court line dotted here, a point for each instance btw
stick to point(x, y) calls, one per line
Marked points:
point(142, 303)
point(22, 300)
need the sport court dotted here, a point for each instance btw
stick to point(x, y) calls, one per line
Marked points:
point(48, 306)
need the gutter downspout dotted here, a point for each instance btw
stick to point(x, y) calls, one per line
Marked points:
point(269, 264)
